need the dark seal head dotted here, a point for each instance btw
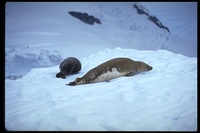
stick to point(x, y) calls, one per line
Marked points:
point(71, 65)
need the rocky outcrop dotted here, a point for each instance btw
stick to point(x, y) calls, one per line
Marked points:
point(88, 19)
point(150, 18)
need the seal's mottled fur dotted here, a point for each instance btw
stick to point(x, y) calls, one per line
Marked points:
point(112, 69)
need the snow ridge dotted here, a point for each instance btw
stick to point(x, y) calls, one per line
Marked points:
point(17, 65)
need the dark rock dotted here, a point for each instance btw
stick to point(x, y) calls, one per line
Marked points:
point(13, 77)
point(157, 22)
point(140, 11)
point(84, 17)
point(151, 18)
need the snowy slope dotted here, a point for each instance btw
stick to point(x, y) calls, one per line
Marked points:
point(164, 99)
point(34, 27)
point(180, 18)
point(32, 23)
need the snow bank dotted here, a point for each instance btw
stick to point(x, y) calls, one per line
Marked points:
point(164, 99)
point(18, 63)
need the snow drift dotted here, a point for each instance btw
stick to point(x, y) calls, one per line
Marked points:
point(164, 99)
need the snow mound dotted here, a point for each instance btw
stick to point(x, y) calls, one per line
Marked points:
point(164, 99)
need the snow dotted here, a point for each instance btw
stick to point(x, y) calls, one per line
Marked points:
point(40, 35)
point(183, 22)
point(163, 99)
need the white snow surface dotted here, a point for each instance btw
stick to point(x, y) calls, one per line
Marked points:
point(39, 35)
point(163, 99)
point(183, 22)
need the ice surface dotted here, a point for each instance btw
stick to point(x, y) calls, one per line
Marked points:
point(164, 99)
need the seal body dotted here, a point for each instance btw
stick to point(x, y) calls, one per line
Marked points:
point(71, 65)
point(113, 68)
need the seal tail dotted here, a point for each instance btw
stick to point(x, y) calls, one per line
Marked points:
point(58, 75)
point(76, 82)
point(71, 84)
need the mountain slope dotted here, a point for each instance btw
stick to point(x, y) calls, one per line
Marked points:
point(180, 18)
point(32, 27)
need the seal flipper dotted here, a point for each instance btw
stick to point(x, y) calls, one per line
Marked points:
point(130, 74)
point(76, 82)
point(71, 83)
point(61, 75)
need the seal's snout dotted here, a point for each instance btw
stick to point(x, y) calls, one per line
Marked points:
point(149, 68)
